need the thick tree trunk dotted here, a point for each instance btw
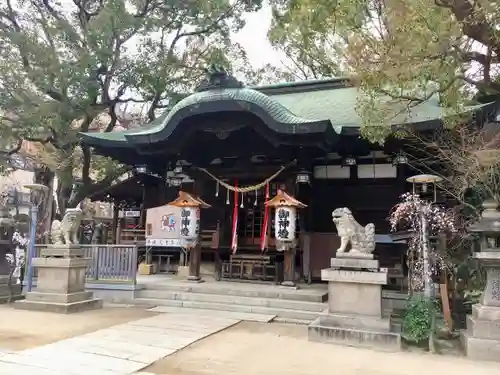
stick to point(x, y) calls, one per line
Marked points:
point(46, 177)
point(63, 197)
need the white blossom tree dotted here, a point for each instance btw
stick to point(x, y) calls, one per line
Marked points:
point(407, 215)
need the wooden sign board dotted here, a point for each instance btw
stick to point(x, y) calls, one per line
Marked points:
point(163, 227)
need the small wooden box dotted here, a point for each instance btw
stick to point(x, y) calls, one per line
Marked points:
point(183, 271)
point(147, 269)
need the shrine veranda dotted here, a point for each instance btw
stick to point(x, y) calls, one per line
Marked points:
point(301, 138)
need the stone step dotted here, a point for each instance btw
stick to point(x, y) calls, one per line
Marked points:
point(364, 338)
point(261, 318)
point(291, 321)
point(57, 307)
point(243, 290)
point(279, 312)
point(316, 307)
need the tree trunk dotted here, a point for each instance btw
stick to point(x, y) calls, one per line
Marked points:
point(63, 197)
point(45, 176)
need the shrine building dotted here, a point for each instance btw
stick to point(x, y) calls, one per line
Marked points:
point(235, 148)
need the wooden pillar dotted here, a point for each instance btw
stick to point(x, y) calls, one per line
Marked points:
point(195, 252)
point(289, 254)
point(114, 224)
point(289, 268)
point(195, 263)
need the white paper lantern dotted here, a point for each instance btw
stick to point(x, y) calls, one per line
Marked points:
point(190, 223)
point(285, 216)
point(190, 217)
point(284, 223)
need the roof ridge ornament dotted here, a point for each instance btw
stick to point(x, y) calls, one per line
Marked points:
point(218, 78)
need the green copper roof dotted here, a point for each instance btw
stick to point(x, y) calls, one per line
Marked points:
point(290, 104)
point(245, 95)
point(339, 106)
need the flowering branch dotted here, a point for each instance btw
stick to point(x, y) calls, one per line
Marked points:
point(407, 215)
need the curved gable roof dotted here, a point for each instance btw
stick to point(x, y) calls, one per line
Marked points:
point(292, 108)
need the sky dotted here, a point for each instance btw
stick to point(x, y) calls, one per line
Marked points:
point(253, 38)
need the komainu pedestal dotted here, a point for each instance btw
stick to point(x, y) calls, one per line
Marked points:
point(481, 340)
point(354, 315)
point(60, 282)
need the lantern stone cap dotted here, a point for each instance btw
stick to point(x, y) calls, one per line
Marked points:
point(489, 222)
point(188, 200)
point(489, 259)
point(486, 226)
point(282, 199)
point(424, 179)
point(494, 255)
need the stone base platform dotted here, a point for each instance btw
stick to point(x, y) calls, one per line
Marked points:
point(59, 307)
point(61, 282)
point(16, 290)
point(352, 330)
point(481, 340)
point(480, 349)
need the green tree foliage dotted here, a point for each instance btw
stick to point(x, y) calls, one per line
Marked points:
point(71, 66)
point(403, 52)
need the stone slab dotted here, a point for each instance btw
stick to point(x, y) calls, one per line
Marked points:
point(486, 329)
point(488, 255)
point(378, 340)
point(480, 349)
point(118, 350)
point(61, 262)
point(66, 251)
point(355, 263)
point(354, 321)
point(354, 255)
point(491, 294)
point(60, 308)
point(264, 318)
point(354, 276)
point(485, 312)
point(61, 280)
point(37, 296)
point(14, 295)
point(355, 298)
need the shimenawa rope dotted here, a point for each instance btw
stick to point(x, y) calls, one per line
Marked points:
point(247, 189)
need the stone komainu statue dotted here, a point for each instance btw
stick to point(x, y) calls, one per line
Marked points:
point(66, 230)
point(362, 239)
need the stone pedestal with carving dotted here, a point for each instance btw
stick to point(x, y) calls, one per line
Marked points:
point(60, 282)
point(354, 315)
point(481, 340)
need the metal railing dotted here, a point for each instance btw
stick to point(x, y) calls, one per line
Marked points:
point(110, 263)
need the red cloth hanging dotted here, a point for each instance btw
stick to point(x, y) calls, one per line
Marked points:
point(263, 236)
point(234, 239)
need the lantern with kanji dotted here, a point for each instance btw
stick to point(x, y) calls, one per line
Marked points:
point(190, 206)
point(285, 216)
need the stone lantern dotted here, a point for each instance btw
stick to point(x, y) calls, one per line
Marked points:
point(285, 218)
point(482, 338)
point(190, 206)
point(6, 231)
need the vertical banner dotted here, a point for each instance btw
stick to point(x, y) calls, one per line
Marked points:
point(234, 240)
point(265, 224)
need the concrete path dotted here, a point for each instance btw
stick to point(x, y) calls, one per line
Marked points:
point(119, 350)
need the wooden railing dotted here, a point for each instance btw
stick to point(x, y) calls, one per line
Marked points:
point(110, 263)
point(132, 237)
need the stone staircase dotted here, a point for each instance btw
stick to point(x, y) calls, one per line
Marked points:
point(300, 306)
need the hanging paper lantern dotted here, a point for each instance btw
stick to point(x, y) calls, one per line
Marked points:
point(285, 216)
point(190, 216)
